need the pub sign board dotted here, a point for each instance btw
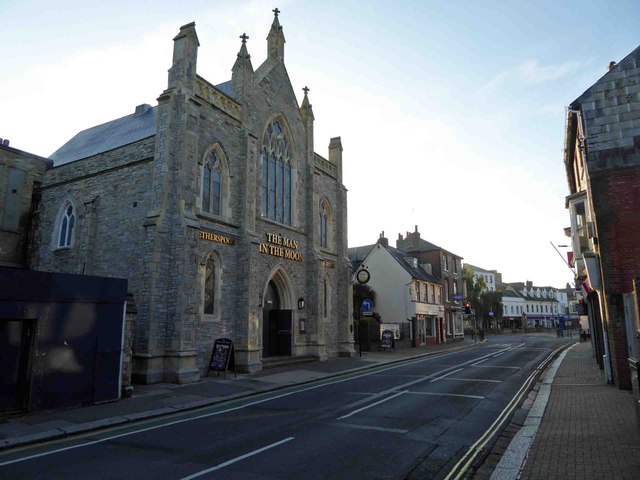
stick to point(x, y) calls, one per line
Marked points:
point(222, 356)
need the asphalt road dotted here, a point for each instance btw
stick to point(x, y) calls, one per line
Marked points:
point(411, 420)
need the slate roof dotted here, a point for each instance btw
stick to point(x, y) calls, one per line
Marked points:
point(511, 293)
point(406, 245)
point(419, 273)
point(226, 88)
point(357, 255)
point(107, 136)
point(631, 57)
point(424, 246)
point(116, 133)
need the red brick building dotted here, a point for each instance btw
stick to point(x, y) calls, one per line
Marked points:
point(447, 267)
point(602, 160)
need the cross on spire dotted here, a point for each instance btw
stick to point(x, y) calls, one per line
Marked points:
point(276, 11)
point(305, 90)
point(244, 37)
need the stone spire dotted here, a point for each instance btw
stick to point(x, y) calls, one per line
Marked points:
point(305, 110)
point(242, 71)
point(275, 39)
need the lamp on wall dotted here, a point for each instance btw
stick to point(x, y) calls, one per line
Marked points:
point(301, 303)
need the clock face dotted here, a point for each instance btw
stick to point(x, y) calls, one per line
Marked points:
point(363, 276)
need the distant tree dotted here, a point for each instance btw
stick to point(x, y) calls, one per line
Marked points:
point(474, 287)
point(490, 302)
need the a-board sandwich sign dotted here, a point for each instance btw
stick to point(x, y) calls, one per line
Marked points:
point(222, 356)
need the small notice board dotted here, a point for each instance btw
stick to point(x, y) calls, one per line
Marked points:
point(388, 340)
point(222, 357)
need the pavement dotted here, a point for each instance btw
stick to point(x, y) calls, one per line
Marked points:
point(577, 425)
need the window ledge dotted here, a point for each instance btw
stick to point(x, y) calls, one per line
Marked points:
point(225, 220)
point(278, 224)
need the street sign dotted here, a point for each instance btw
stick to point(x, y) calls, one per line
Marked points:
point(457, 297)
point(367, 305)
point(491, 314)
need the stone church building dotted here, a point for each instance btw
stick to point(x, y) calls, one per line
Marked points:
point(216, 208)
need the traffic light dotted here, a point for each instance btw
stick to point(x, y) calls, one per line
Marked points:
point(467, 308)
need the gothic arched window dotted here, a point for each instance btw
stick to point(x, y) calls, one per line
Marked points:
point(210, 285)
point(325, 221)
point(276, 174)
point(212, 184)
point(66, 225)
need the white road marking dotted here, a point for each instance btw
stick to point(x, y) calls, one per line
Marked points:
point(473, 380)
point(372, 405)
point(493, 366)
point(237, 459)
point(369, 427)
point(446, 375)
point(232, 409)
point(474, 364)
point(478, 397)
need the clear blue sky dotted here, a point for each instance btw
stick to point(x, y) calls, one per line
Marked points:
point(451, 113)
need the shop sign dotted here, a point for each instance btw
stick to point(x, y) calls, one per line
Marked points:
point(213, 237)
point(280, 246)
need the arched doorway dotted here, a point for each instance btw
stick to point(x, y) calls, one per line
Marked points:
point(276, 323)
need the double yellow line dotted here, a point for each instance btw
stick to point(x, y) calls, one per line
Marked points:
point(467, 459)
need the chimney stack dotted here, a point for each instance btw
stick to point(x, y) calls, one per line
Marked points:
point(384, 241)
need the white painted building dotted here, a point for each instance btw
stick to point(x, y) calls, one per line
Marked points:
point(541, 305)
point(406, 293)
point(489, 277)
point(513, 306)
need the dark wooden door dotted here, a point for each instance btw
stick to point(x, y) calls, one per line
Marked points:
point(15, 345)
point(270, 309)
point(284, 324)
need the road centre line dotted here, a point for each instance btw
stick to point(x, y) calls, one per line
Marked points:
point(446, 375)
point(408, 384)
point(369, 427)
point(371, 405)
point(232, 409)
point(494, 366)
point(473, 380)
point(237, 459)
point(477, 397)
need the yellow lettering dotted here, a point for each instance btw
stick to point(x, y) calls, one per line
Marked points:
point(272, 247)
point(217, 238)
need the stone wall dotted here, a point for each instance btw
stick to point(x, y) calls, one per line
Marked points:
point(19, 172)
